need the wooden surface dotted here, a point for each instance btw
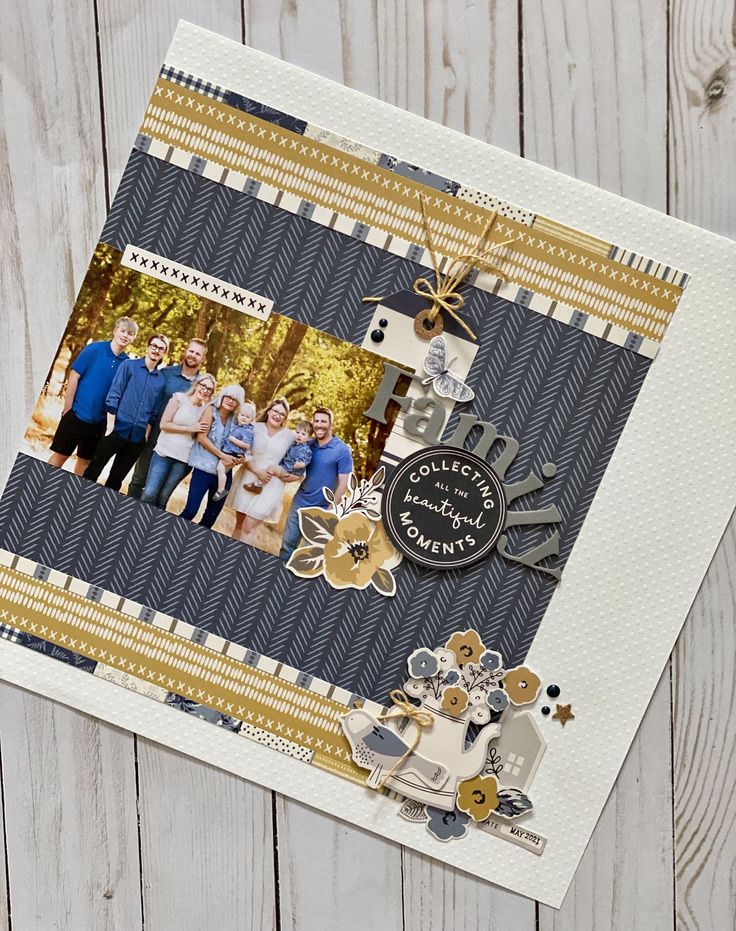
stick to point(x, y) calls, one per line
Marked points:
point(102, 830)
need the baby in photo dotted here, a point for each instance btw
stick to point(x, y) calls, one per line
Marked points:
point(299, 454)
point(238, 443)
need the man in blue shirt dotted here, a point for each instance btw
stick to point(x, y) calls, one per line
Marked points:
point(83, 416)
point(331, 465)
point(133, 404)
point(176, 378)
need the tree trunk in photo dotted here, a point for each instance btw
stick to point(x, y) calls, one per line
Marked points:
point(110, 277)
point(60, 386)
point(205, 318)
point(120, 289)
point(216, 341)
point(160, 318)
point(377, 436)
point(256, 363)
point(270, 368)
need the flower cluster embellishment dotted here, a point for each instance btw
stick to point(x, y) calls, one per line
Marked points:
point(348, 545)
point(448, 780)
point(467, 679)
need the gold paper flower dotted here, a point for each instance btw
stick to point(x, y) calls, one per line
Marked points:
point(357, 552)
point(522, 685)
point(351, 551)
point(478, 797)
point(466, 645)
point(454, 700)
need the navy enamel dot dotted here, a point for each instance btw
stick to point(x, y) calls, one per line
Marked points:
point(545, 710)
point(383, 323)
point(553, 691)
point(377, 336)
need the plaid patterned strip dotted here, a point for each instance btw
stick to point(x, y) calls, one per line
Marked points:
point(8, 633)
point(193, 83)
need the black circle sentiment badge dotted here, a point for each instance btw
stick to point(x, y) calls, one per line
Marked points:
point(444, 507)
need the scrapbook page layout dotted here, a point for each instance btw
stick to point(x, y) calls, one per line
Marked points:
point(309, 465)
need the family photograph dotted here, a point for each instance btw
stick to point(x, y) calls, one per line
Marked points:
point(203, 411)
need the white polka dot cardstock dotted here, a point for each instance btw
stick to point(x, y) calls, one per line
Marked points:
point(359, 470)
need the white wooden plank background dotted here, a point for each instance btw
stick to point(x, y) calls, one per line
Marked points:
point(102, 830)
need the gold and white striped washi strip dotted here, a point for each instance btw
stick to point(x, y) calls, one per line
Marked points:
point(507, 288)
point(294, 712)
point(137, 648)
point(593, 244)
point(226, 140)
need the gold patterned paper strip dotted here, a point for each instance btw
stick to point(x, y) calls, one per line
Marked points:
point(345, 769)
point(589, 284)
point(583, 240)
point(137, 648)
point(505, 209)
point(568, 269)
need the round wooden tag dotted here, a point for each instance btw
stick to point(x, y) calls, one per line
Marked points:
point(426, 329)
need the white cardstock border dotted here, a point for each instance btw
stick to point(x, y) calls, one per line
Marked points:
point(642, 552)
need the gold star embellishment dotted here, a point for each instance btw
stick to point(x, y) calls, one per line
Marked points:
point(564, 714)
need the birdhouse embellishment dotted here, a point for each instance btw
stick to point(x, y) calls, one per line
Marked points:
point(420, 748)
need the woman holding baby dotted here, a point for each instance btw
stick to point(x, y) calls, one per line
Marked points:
point(257, 492)
point(219, 420)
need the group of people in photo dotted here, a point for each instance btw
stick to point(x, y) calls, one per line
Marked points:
point(167, 422)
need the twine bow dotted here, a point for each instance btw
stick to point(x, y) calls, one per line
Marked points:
point(443, 293)
point(403, 708)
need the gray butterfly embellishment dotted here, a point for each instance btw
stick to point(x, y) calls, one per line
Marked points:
point(445, 383)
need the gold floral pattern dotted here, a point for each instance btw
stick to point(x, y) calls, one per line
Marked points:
point(466, 645)
point(478, 797)
point(454, 700)
point(350, 551)
point(522, 685)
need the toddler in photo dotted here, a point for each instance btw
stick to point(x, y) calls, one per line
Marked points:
point(299, 454)
point(238, 443)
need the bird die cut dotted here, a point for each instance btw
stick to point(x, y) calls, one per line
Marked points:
point(423, 748)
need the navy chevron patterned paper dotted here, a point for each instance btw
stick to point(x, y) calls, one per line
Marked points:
point(565, 395)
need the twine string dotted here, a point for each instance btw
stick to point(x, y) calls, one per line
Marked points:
point(444, 293)
point(403, 708)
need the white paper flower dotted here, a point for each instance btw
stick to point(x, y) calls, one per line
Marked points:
point(446, 659)
point(477, 697)
point(418, 688)
point(481, 714)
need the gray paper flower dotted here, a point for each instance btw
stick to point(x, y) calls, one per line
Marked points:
point(447, 825)
point(512, 803)
point(422, 664)
point(490, 660)
point(497, 700)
